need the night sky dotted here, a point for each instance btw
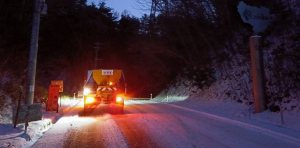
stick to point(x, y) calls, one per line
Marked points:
point(120, 5)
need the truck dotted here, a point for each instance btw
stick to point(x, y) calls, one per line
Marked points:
point(104, 88)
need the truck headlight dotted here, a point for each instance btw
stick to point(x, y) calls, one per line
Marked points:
point(86, 91)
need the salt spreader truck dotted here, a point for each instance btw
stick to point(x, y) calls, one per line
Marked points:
point(104, 88)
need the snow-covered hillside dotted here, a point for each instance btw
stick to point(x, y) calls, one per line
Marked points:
point(223, 99)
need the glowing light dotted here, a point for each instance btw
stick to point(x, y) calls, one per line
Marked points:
point(110, 83)
point(86, 91)
point(90, 100)
point(119, 99)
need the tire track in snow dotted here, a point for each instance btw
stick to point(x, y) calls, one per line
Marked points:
point(135, 132)
point(103, 133)
point(170, 130)
point(269, 132)
point(210, 130)
point(166, 129)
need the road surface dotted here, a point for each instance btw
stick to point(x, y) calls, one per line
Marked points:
point(146, 124)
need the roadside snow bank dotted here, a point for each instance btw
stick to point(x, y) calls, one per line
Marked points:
point(217, 100)
point(16, 137)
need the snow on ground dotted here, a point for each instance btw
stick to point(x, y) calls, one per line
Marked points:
point(215, 101)
point(212, 104)
point(171, 125)
point(16, 137)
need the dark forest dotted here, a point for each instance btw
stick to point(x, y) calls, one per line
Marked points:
point(193, 39)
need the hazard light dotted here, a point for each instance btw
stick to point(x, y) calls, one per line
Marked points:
point(110, 83)
point(90, 100)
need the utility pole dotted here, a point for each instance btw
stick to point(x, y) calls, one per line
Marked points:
point(39, 8)
point(96, 55)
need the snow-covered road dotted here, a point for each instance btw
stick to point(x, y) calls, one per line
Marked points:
point(151, 124)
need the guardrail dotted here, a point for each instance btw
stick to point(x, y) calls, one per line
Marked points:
point(140, 99)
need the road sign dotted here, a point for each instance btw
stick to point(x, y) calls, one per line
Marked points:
point(28, 113)
point(259, 18)
point(52, 103)
point(60, 83)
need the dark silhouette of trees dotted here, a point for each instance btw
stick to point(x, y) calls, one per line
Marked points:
point(200, 36)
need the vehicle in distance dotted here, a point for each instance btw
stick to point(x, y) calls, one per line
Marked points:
point(106, 89)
